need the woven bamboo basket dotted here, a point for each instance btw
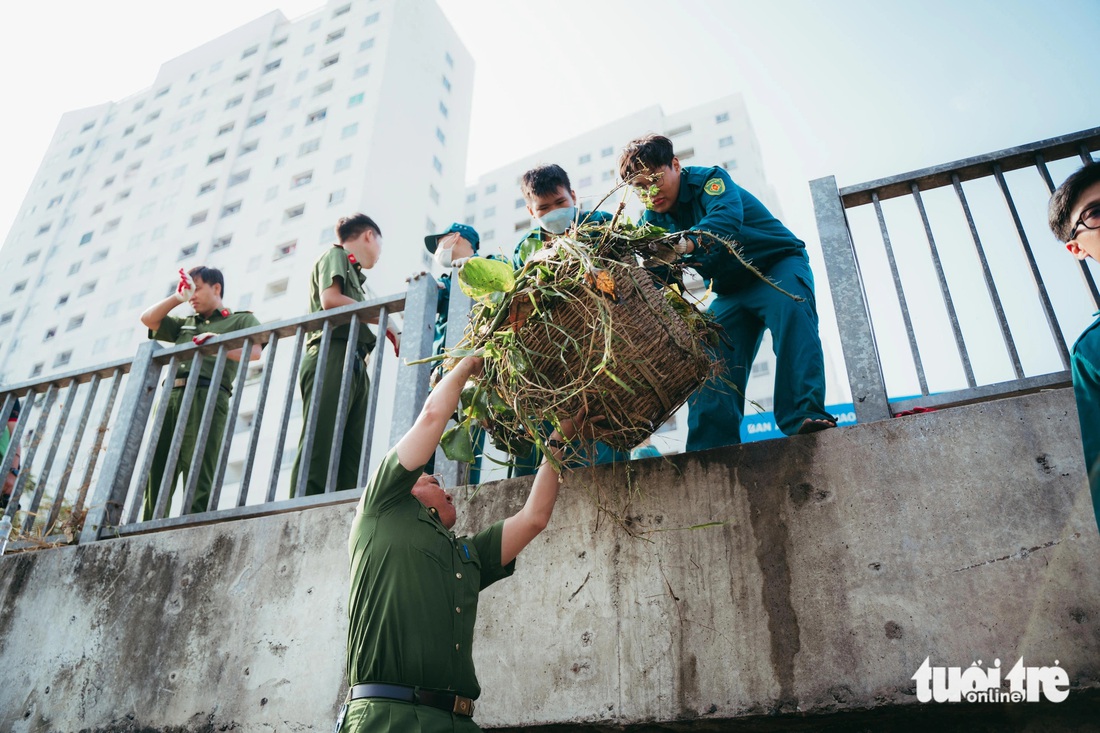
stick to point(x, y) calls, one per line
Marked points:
point(656, 360)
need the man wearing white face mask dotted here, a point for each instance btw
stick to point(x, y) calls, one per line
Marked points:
point(450, 249)
point(553, 204)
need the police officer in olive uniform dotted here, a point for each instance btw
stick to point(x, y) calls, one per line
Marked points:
point(412, 605)
point(338, 280)
point(204, 288)
point(700, 200)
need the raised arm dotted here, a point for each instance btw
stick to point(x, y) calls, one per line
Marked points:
point(418, 445)
point(528, 522)
point(153, 315)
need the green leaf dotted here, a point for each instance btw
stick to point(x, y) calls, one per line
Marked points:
point(482, 279)
point(458, 444)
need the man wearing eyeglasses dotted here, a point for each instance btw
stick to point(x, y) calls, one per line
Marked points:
point(415, 585)
point(1074, 217)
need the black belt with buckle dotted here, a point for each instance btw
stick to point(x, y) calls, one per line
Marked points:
point(448, 701)
point(203, 382)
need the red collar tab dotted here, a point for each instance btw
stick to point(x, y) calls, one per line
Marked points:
point(224, 312)
point(351, 259)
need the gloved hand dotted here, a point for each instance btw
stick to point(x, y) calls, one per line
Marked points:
point(459, 262)
point(684, 246)
point(395, 339)
point(186, 287)
point(202, 338)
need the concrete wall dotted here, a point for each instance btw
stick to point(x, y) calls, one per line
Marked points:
point(841, 561)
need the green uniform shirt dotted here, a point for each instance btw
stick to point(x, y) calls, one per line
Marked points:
point(1085, 365)
point(182, 330)
point(336, 265)
point(414, 589)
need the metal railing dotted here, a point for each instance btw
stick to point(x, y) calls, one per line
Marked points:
point(126, 402)
point(948, 301)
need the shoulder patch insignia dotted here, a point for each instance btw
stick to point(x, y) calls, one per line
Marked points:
point(714, 187)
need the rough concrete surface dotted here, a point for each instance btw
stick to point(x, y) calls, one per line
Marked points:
point(794, 584)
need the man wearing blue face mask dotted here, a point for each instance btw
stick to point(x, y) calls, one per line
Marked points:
point(553, 204)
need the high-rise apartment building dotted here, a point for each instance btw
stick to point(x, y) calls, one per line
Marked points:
point(241, 155)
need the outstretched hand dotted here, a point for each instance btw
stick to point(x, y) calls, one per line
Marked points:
point(580, 426)
point(202, 338)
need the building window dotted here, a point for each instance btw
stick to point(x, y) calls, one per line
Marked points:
point(54, 202)
point(249, 52)
point(334, 36)
point(258, 119)
point(437, 164)
point(309, 146)
point(74, 268)
point(6, 318)
point(216, 157)
point(487, 235)
point(355, 99)
point(87, 126)
point(440, 136)
point(325, 63)
point(100, 255)
point(239, 177)
point(152, 116)
point(521, 225)
point(271, 66)
point(231, 209)
point(433, 194)
point(75, 322)
point(491, 211)
point(336, 197)
point(242, 76)
point(471, 197)
point(446, 83)
point(685, 154)
point(63, 358)
point(724, 117)
point(450, 61)
point(586, 158)
point(198, 218)
point(285, 250)
point(490, 189)
point(85, 238)
point(725, 142)
point(361, 71)
point(234, 101)
point(308, 50)
point(320, 89)
point(50, 333)
point(341, 11)
point(677, 131)
point(43, 229)
point(301, 179)
point(111, 225)
point(62, 300)
point(143, 142)
point(226, 128)
point(76, 151)
point(275, 289)
point(442, 109)
point(371, 19)
point(294, 212)
point(86, 289)
point(265, 92)
point(520, 203)
point(222, 242)
point(730, 165)
point(122, 195)
point(19, 287)
point(207, 187)
point(66, 175)
point(189, 251)
point(342, 164)
point(349, 130)
point(316, 116)
point(369, 43)
point(469, 221)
